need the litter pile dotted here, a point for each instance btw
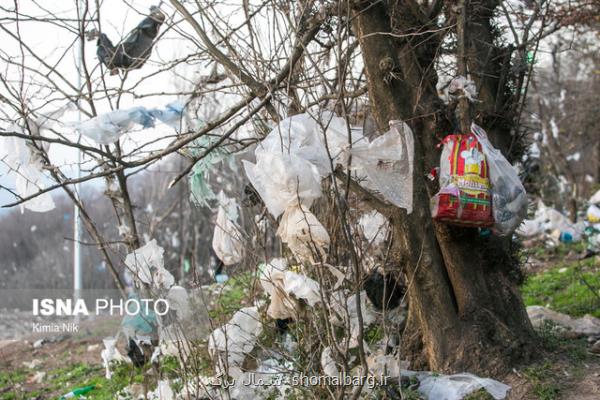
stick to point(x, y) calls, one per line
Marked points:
point(552, 227)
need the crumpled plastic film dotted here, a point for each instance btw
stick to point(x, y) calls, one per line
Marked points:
point(227, 240)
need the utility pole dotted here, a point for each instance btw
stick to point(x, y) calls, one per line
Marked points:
point(77, 273)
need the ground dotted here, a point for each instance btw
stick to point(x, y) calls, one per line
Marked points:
point(565, 369)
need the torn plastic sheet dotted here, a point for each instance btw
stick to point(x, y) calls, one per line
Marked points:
point(456, 387)
point(108, 127)
point(374, 226)
point(27, 168)
point(236, 338)
point(227, 240)
point(147, 265)
point(303, 233)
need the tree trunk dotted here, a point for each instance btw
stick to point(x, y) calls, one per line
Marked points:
point(465, 313)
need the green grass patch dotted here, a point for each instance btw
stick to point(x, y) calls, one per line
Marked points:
point(233, 295)
point(545, 385)
point(570, 288)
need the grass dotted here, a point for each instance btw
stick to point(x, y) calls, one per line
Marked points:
point(232, 296)
point(570, 288)
point(546, 385)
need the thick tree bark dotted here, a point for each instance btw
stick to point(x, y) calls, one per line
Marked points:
point(464, 311)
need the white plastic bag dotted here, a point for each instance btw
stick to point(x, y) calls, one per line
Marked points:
point(107, 128)
point(303, 233)
point(388, 163)
point(147, 265)
point(27, 168)
point(595, 199)
point(236, 338)
point(285, 287)
point(593, 214)
point(456, 387)
point(227, 240)
point(110, 354)
point(282, 180)
point(374, 226)
point(509, 199)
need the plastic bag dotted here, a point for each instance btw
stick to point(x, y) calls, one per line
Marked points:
point(107, 128)
point(509, 199)
point(464, 197)
point(374, 226)
point(303, 233)
point(595, 199)
point(283, 180)
point(593, 214)
point(457, 87)
point(147, 265)
point(237, 338)
point(387, 163)
point(285, 287)
point(135, 49)
point(328, 363)
point(457, 387)
point(272, 280)
point(110, 354)
point(345, 311)
point(26, 165)
point(227, 240)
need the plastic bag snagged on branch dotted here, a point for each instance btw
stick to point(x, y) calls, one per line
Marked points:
point(509, 199)
point(227, 240)
point(108, 127)
point(285, 287)
point(147, 265)
point(22, 159)
point(135, 49)
point(303, 233)
point(236, 339)
point(457, 87)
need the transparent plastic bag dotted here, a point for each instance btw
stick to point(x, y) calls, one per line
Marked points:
point(509, 199)
point(282, 180)
point(227, 240)
point(303, 233)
